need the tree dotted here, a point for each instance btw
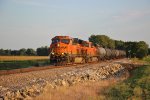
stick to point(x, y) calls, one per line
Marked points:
point(5, 52)
point(2, 52)
point(102, 40)
point(43, 51)
point(8, 52)
point(142, 49)
point(111, 44)
point(136, 49)
point(22, 52)
point(148, 51)
point(131, 48)
point(30, 52)
point(120, 45)
point(15, 52)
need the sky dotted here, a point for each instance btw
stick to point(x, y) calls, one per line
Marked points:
point(32, 23)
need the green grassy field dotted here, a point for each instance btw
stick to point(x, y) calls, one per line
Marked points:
point(137, 87)
point(8, 65)
point(16, 62)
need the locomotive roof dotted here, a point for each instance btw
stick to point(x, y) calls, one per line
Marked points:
point(67, 37)
point(62, 37)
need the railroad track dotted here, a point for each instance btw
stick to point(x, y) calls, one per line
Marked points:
point(30, 69)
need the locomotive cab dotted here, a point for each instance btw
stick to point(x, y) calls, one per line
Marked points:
point(60, 44)
point(59, 48)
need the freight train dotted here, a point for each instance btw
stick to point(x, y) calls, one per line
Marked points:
point(67, 50)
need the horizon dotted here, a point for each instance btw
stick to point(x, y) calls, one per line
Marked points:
point(32, 23)
point(69, 36)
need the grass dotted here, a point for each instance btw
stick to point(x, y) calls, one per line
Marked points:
point(22, 58)
point(80, 91)
point(16, 62)
point(137, 87)
point(8, 65)
point(147, 59)
point(136, 60)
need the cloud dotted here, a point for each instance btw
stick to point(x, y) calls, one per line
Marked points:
point(131, 15)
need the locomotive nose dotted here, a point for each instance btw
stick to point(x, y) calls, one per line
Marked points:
point(57, 45)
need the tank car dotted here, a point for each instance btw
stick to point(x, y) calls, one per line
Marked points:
point(101, 53)
point(114, 53)
point(108, 53)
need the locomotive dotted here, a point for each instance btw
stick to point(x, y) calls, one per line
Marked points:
point(67, 50)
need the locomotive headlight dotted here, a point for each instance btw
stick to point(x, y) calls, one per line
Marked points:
point(52, 53)
point(58, 45)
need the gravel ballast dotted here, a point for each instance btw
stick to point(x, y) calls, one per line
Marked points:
point(31, 84)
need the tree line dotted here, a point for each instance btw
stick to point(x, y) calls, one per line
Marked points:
point(133, 49)
point(41, 51)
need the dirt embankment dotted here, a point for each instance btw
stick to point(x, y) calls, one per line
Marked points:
point(74, 83)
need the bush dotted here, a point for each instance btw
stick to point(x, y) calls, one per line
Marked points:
point(122, 91)
point(147, 59)
point(137, 86)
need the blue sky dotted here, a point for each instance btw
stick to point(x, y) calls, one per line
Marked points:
point(32, 23)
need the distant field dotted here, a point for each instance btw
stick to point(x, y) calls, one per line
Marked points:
point(22, 58)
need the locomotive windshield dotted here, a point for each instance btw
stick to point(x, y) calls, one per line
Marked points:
point(66, 41)
point(55, 41)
